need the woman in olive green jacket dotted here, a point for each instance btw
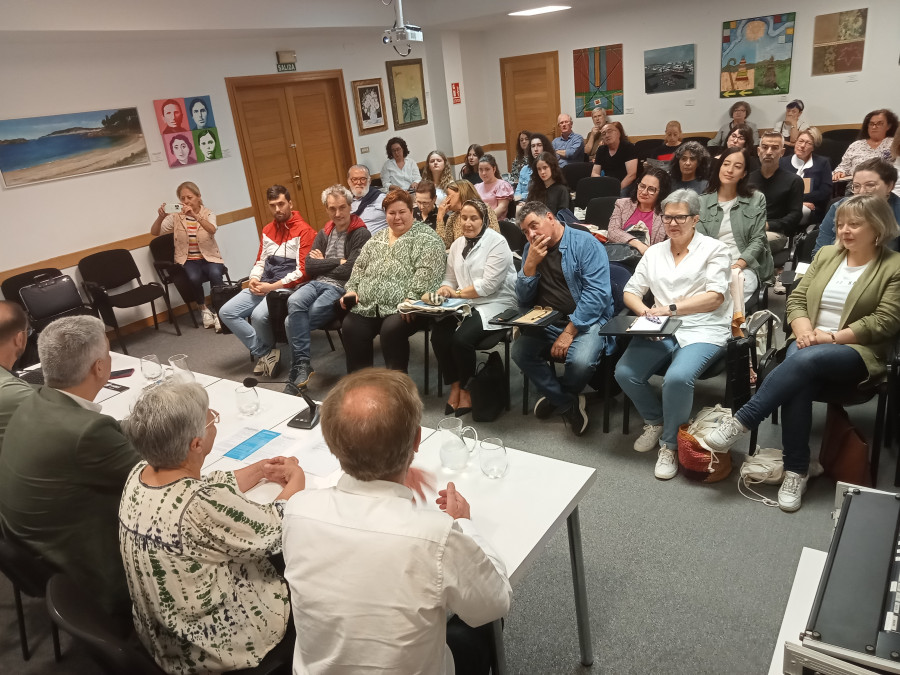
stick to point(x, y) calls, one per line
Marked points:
point(845, 316)
point(735, 214)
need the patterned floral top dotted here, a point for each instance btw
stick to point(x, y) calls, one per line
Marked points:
point(860, 151)
point(385, 275)
point(517, 165)
point(205, 597)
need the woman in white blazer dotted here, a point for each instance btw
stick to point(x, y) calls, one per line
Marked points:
point(479, 270)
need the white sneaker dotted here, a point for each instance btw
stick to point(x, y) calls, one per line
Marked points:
point(791, 490)
point(648, 440)
point(723, 436)
point(209, 319)
point(217, 324)
point(666, 464)
point(271, 362)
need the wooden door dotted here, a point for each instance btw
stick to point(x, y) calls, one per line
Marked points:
point(530, 86)
point(292, 131)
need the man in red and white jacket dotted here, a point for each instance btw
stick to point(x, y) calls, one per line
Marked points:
point(280, 263)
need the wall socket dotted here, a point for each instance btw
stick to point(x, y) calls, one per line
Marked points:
point(690, 101)
point(629, 111)
point(363, 150)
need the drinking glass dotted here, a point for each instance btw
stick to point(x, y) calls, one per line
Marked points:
point(492, 457)
point(151, 368)
point(247, 400)
point(180, 368)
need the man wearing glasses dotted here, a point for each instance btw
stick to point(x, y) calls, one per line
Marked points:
point(366, 199)
point(14, 332)
point(783, 191)
point(872, 177)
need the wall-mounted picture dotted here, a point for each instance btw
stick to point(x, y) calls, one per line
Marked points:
point(38, 149)
point(598, 80)
point(669, 69)
point(838, 42)
point(756, 56)
point(406, 86)
point(181, 121)
point(368, 99)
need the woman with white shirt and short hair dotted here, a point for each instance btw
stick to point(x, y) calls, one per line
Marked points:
point(689, 277)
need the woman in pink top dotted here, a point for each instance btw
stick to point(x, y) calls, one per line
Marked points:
point(632, 215)
point(493, 190)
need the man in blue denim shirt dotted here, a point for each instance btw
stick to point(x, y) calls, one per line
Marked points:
point(567, 270)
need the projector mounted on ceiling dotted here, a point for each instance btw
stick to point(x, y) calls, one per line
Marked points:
point(401, 33)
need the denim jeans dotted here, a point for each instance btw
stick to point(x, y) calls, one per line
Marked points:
point(532, 351)
point(644, 358)
point(310, 307)
point(793, 385)
point(199, 271)
point(258, 337)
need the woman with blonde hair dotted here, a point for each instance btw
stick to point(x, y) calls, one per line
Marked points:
point(449, 228)
point(437, 170)
point(844, 317)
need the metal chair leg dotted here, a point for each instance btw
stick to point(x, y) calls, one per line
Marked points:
point(427, 364)
point(508, 376)
point(54, 634)
point(20, 617)
point(525, 384)
point(330, 342)
point(155, 319)
point(171, 313)
point(876, 438)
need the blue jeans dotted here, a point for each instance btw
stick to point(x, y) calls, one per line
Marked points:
point(644, 358)
point(199, 271)
point(310, 307)
point(532, 351)
point(258, 338)
point(793, 385)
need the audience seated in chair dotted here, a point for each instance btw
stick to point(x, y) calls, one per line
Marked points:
point(327, 268)
point(665, 152)
point(617, 157)
point(449, 228)
point(283, 248)
point(815, 170)
point(425, 210)
point(385, 574)
point(689, 277)
point(690, 167)
point(399, 171)
point(844, 319)
point(782, 189)
point(548, 185)
point(493, 190)
point(538, 143)
point(875, 138)
point(636, 219)
point(14, 330)
point(567, 270)
point(63, 464)
point(366, 199)
point(194, 547)
point(594, 139)
point(738, 114)
point(568, 146)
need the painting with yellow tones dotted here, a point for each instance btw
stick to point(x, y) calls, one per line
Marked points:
point(756, 56)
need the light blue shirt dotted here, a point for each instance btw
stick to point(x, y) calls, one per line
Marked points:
point(574, 147)
point(524, 179)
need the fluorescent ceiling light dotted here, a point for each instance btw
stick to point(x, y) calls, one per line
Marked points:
point(540, 10)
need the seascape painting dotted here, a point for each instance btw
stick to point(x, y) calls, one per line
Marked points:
point(38, 149)
point(669, 69)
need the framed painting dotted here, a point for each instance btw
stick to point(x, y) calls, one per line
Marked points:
point(839, 40)
point(756, 56)
point(599, 80)
point(669, 69)
point(368, 99)
point(406, 86)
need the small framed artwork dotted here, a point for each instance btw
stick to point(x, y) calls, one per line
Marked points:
point(368, 98)
point(406, 86)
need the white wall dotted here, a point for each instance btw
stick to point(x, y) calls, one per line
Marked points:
point(651, 24)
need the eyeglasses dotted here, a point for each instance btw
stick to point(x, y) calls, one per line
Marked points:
point(215, 420)
point(361, 179)
point(650, 190)
point(857, 188)
point(877, 124)
point(681, 218)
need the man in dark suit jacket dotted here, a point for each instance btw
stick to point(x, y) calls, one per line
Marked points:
point(64, 465)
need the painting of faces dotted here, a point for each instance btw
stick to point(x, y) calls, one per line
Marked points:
point(188, 129)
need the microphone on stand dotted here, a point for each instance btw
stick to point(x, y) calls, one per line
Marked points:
point(306, 419)
point(250, 382)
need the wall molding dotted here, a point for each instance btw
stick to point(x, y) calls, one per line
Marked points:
point(131, 243)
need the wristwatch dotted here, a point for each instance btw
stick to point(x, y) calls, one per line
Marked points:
point(674, 309)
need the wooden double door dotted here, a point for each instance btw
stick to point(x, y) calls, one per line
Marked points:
point(293, 130)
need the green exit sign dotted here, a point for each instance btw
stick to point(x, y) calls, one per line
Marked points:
point(287, 67)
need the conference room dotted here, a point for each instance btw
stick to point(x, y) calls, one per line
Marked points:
point(678, 576)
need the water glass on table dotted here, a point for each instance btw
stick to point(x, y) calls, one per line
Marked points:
point(181, 371)
point(492, 457)
point(247, 400)
point(151, 368)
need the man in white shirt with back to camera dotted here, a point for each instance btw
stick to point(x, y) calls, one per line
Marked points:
point(372, 574)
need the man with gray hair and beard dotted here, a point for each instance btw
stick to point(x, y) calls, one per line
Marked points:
point(366, 199)
point(64, 465)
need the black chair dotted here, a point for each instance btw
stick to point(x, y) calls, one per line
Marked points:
point(596, 186)
point(647, 145)
point(10, 289)
point(162, 249)
point(832, 149)
point(575, 171)
point(599, 210)
point(515, 239)
point(108, 270)
point(845, 136)
point(28, 574)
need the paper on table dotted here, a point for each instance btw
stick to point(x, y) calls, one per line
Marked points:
point(225, 443)
point(801, 269)
point(310, 449)
point(252, 445)
point(645, 325)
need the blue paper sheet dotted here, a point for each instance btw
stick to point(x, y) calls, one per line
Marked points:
point(246, 448)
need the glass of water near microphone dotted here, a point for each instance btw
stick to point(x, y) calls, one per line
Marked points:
point(458, 445)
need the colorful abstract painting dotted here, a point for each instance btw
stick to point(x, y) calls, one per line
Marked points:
point(188, 129)
point(669, 69)
point(598, 80)
point(838, 42)
point(756, 56)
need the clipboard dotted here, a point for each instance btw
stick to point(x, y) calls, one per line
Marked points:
point(536, 316)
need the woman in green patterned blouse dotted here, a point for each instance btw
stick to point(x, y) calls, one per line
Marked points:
point(195, 549)
point(404, 260)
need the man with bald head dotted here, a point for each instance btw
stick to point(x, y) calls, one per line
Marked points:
point(372, 574)
point(13, 339)
point(568, 146)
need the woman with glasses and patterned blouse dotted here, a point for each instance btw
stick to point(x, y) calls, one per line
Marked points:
point(636, 219)
point(875, 137)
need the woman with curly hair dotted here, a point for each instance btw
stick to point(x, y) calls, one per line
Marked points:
point(549, 185)
point(690, 167)
point(399, 171)
point(437, 170)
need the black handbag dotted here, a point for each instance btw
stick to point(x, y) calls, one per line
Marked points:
point(219, 295)
point(488, 389)
point(624, 254)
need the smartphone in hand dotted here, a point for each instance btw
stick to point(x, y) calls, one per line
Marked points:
point(173, 208)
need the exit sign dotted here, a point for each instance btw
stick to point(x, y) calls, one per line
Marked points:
point(287, 67)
